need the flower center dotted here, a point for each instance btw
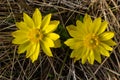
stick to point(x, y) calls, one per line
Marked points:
point(91, 41)
point(35, 35)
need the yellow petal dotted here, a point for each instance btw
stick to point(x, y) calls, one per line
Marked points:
point(28, 20)
point(76, 54)
point(23, 47)
point(106, 36)
point(91, 57)
point(96, 24)
point(45, 22)
point(73, 43)
point(110, 42)
point(53, 36)
point(97, 56)
point(57, 43)
point(81, 28)
point(102, 27)
point(74, 32)
point(103, 51)
point(48, 42)
point(107, 47)
point(87, 19)
point(20, 34)
point(52, 26)
point(20, 40)
point(34, 56)
point(71, 28)
point(85, 56)
point(31, 49)
point(37, 18)
point(22, 26)
point(46, 49)
point(79, 23)
point(20, 37)
point(87, 23)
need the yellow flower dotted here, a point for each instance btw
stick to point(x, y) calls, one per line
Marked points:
point(90, 40)
point(34, 34)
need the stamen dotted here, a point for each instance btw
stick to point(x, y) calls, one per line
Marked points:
point(91, 41)
point(35, 35)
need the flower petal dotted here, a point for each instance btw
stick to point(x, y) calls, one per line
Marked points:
point(23, 47)
point(79, 23)
point(53, 36)
point(74, 53)
point(57, 43)
point(80, 28)
point(77, 54)
point(48, 42)
point(20, 37)
point(52, 26)
point(110, 42)
point(107, 47)
point(106, 36)
point(103, 27)
point(87, 19)
point(45, 22)
point(96, 24)
point(71, 28)
point(87, 23)
point(84, 57)
point(97, 56)
point(91, 57)
point(46, 49)
point(31, 49)
point(37, 18)
point(34, 56)
point(22, 26)
point(73, 43)
point(103, 51)
point(74, 32)
point(19, 33)
point(28, 20)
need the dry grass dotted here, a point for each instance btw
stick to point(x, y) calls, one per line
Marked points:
point(17, 67)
